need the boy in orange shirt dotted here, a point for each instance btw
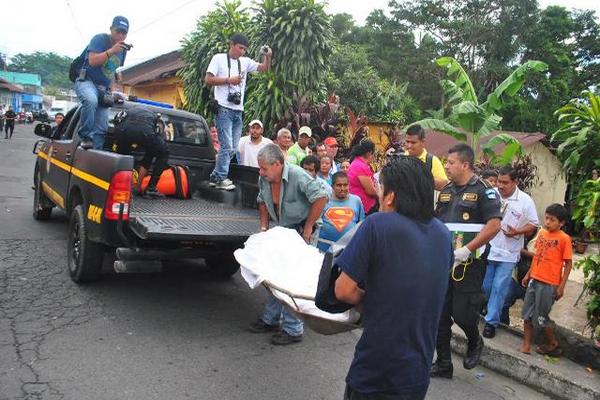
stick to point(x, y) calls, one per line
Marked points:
point(546, 279)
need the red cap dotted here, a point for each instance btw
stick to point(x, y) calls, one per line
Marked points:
point(330, 141)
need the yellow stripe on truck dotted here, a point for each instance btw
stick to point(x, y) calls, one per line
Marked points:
point(102, 184)
point(53, 195)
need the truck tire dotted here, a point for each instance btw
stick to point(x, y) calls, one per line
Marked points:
point(84, 257)
point(223, 265)
point(41, 211)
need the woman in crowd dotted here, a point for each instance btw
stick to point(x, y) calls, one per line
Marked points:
point(360, 175)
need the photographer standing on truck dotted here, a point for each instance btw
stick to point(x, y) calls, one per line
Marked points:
point(100, 60)
point(228, 72)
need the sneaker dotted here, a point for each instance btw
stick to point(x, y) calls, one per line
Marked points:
point(212, 182)
point(86, 144)
point(225, 184)
point(262, 327)
point(283, 338)
point(489, 331)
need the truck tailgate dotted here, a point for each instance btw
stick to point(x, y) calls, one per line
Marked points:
point(193, 219)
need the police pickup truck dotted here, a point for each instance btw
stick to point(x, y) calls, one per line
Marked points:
point(106, 220)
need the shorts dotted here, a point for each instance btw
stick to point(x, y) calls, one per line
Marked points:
point(538, 302)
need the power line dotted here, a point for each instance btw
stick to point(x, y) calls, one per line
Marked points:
point(162, 16)
point(74, 19)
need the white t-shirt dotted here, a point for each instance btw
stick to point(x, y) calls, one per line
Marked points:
point(218, 67)
point(249, 151)
point(519, 210)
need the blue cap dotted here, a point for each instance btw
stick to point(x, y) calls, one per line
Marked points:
point(120, 23)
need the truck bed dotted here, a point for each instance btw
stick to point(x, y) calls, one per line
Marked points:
point(192, 219)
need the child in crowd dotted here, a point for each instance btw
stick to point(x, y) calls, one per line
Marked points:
point(342, 212)
point(546, 279)
point(491, 176)
point(345, 165)
point(312, 165)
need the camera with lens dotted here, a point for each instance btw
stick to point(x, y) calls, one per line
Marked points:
point(264, 49)
point(234, 98)
point(127, 46)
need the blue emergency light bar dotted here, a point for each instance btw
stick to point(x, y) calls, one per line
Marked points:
point(150, 102)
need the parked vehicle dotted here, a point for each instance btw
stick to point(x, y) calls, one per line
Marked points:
point(94, 188)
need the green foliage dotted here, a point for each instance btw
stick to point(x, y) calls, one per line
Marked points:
point(468, 120)
point(591, 271)
point(210, 37)
point(52, 68)
point(300, 34)
point(586, 209)
point(578, 136)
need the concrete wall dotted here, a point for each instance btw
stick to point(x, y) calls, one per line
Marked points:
point(551, 185)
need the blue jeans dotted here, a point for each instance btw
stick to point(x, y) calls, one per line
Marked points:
point(229, 128)
point(274, 312)
point(495, 286)
point(93, 119)
point(515, 291)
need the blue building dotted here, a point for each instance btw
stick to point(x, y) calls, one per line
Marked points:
point(10, 95)
point(31, 98)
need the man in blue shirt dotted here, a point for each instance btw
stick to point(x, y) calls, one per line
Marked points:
point(342, 212)
point(102, 57)
point(396, 267)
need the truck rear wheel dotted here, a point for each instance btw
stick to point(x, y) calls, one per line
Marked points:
point(223, 265)
point(84, 256)
point(41, 211)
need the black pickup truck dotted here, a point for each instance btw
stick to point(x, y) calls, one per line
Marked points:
point(105, 219)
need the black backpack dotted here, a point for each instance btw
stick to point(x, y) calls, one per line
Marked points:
point(78, 62)
point(325, 297)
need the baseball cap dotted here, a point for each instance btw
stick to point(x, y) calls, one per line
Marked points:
point(330, 141)
point(120, 23)
point(305, 130)
point(256, 122)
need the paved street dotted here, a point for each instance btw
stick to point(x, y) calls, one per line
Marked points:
point(174, 335)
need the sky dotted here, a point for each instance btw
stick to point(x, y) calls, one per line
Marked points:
point(66, 26)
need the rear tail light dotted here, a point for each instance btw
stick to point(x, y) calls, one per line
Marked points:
point(119, 194)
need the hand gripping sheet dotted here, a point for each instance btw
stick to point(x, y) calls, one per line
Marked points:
point(289, 268)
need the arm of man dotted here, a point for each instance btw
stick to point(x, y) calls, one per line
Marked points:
point(439, 174)
point(264, 216)
point(490, 229)
point(97, 56)
point(316, 209)
point(266, 64)
point(211, 80)
point(347, 290)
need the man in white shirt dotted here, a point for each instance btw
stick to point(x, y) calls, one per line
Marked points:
point(251, 144)
point(519, 219)
point(227, 72)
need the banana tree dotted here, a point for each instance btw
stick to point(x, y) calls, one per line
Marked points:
point(469, 120)
point(578, 136)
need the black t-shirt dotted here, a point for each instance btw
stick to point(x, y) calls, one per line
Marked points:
point(403, 266)
point(475, 203)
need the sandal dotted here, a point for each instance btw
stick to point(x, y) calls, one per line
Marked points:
point(546, 351)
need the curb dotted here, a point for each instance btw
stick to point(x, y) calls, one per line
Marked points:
point(543, 378)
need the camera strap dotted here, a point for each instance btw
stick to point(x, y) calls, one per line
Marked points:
point(229, 68)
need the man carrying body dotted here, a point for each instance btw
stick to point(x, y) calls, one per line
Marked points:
point(104, 54)
point(415, 146)
point(519, 219)
point(468, 200)
point(291, 198)
point(251, 144)
point(227, 72)
point(299, 150)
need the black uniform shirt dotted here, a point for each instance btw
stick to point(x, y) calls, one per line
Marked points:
point(475, 203)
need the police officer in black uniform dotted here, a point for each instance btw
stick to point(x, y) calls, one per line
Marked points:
point(466, 199)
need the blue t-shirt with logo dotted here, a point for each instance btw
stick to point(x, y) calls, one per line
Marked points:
point(404, 266)
point(103, 74)
point(339, 216)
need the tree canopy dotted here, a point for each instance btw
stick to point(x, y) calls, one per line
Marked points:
point(52, 67)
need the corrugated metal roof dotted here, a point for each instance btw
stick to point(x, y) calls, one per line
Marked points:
point(159, 67)
point(4, 84)
point(21, 78)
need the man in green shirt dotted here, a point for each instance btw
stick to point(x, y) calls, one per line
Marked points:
point(292, 199)
point(299, 150)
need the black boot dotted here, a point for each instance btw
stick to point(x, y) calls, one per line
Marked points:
point(442, 369)
point(153, 193)
point(473, 355)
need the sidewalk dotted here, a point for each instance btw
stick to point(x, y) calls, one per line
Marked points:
point(559, 378)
